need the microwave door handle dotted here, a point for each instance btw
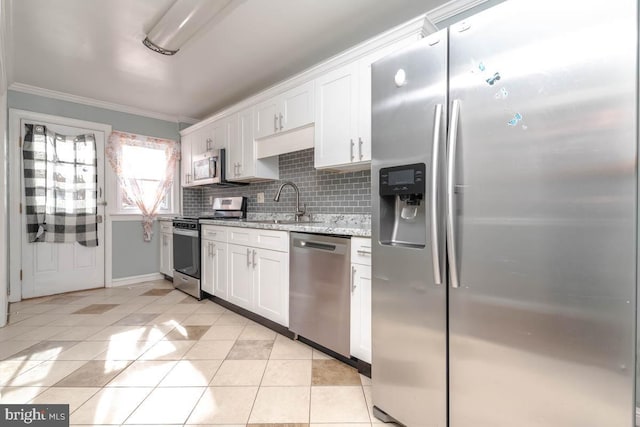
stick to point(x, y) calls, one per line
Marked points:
point(213, 167)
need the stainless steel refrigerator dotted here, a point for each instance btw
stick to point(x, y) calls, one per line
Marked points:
point(504, 233)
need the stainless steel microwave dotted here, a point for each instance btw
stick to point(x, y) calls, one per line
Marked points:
point(209, 168)
point(206, 167)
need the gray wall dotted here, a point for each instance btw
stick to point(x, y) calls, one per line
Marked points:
point(131, 255)
point(322, 191)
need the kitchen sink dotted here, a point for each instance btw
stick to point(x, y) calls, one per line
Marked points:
point(280, 221)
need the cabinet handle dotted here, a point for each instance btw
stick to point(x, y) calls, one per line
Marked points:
point(248, 257)
point(360, 147)
point(280, 121)
point(254, 258)
point(275, 123)
point(351, 149)
point(363, 252)
point(353, 278)
point(209, 249)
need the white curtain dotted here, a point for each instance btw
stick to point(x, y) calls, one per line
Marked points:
point(146, 194)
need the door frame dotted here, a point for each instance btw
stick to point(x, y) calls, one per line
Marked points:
point(15, 182)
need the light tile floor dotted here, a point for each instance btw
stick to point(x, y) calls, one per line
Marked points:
point(150, 355)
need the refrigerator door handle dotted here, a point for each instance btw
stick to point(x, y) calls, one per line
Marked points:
point(435, 174)
point(451, 207)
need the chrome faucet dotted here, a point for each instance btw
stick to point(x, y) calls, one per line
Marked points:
point(299, 212)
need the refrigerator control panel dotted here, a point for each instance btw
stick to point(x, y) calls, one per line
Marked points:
point(401, 180)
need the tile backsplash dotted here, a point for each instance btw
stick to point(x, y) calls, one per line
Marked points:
point(323, 192)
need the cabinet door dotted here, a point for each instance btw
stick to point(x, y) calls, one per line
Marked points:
point(245, 158)
point(266, 120)
point(297, 106)
point(220, 134)
point(220, 282)
point(207, 269)
point(202, 140)
point(336, 111)
point(166, 255)
point(240, 273)
point(271, 284)
point(185, 162)
point(361, 312)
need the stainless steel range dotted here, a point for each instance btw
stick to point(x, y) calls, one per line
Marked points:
point(186, 242)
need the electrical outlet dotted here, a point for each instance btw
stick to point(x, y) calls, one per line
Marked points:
point(260, 197)
point(211, 200)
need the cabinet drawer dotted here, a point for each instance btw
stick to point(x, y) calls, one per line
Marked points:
point(270, 239)
point(240, 236)
point(166, 226)
point(360, 251)
point(212, 232)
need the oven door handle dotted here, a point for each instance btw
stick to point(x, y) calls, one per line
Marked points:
point(188, 233)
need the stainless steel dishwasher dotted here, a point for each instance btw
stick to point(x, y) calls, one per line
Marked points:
point(320, 290)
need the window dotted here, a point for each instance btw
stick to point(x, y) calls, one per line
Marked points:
point(146, 165)
point(144, 168)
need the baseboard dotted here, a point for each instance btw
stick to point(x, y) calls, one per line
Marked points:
point(124, 281)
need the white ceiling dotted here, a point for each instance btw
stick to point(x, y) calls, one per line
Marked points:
point(93, 48)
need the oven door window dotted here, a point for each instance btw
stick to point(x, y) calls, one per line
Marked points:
point(186, 255)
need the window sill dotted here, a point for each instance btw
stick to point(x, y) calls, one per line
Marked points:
point(130, 216)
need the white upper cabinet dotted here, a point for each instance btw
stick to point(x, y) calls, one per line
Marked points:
point(284, 112)
point(186, 177)
point(241, 160)
point(343, 113)
point(336, 117)
point(222, 133)
point(297, 107)
point(266, 118)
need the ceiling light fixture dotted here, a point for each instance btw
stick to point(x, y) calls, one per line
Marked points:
point(182, 21)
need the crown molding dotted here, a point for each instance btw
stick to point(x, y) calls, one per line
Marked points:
point(47, 93)
point(452, 8)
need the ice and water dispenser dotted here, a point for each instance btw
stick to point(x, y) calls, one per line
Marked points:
point(402, 206)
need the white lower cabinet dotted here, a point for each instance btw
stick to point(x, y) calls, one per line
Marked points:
point(213, 278)
point(166, 248)
point(240, 276)
point(271, 285)
point(256, 277)
point(361, 298)
point(213, 260)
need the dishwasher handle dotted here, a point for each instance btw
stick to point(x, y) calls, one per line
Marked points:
point(321, 246)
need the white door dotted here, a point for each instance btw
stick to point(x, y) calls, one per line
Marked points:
point(52, 268)
point(271, 279)
point(220, 285)
point(207, 278)
point(297, 107)
point(361, 312)
point(266, 118)
point(336, 112)
point(240, 276)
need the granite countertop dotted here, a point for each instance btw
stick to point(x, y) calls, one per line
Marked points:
point(347, 225)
